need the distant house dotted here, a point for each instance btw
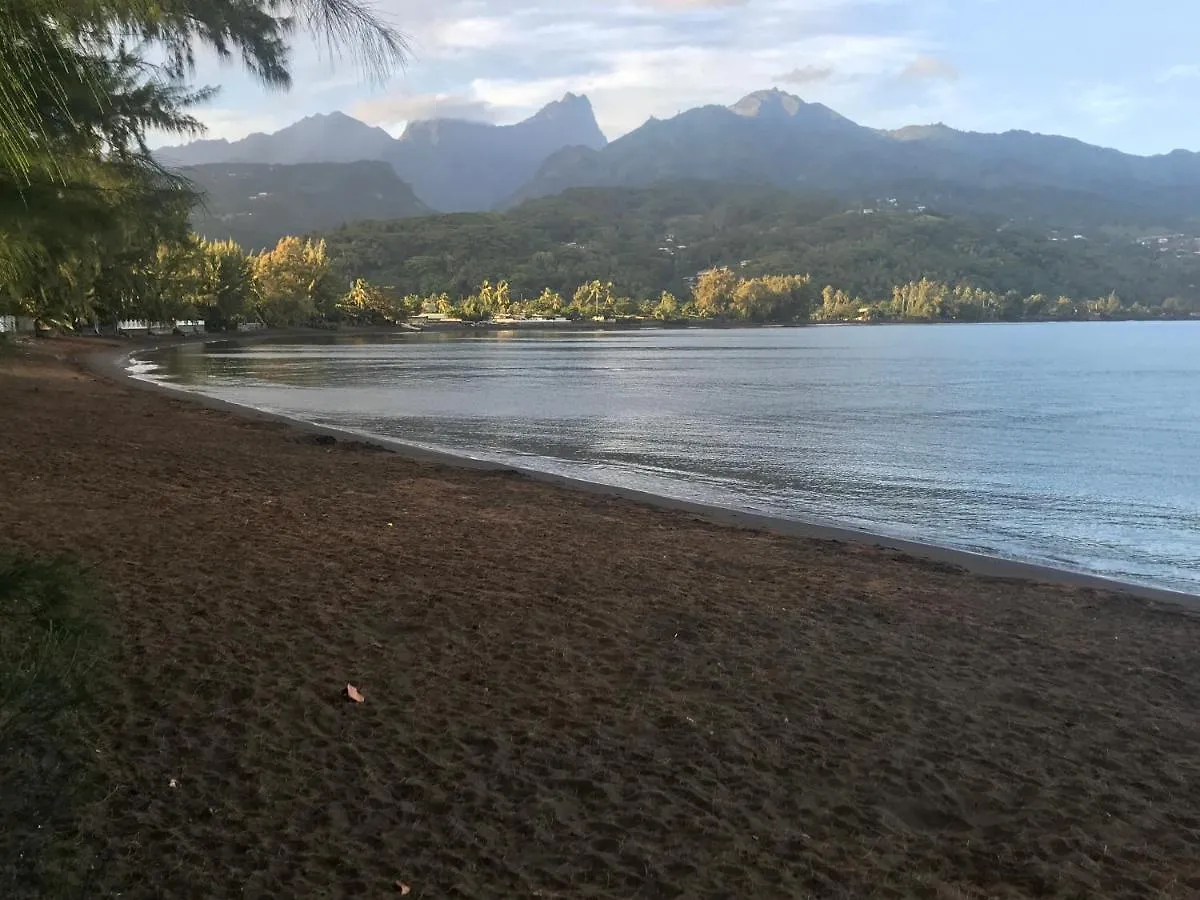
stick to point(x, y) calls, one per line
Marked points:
point(8, 324)
point(434, 320)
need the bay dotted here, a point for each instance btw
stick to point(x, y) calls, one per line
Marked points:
point(1075, 445)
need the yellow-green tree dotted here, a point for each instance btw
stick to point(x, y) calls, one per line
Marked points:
point(1105, 307)
point(837, 305)
point(294, 283)
point(924, 299)
point(368, 304)
point(781, 298)
point(593, 299)
point(496, 299)
point(547, 304)
point(226, 284)
point(667, 308)
point(714, 291)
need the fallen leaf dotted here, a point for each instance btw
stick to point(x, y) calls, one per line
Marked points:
point(404, 889)
point(353, 694)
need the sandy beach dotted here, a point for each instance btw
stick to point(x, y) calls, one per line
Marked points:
point(568, 693)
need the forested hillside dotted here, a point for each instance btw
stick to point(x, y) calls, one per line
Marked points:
point(653, 239)
point(256, 205)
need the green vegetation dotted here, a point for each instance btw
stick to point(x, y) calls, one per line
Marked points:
point(855, 267)
point(50, 647)
point(542, 261)
point(643, 243)
point(256, 205)
point(84, 209)
point(289, 285)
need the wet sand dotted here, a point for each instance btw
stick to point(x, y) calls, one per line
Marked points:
point(571, 694)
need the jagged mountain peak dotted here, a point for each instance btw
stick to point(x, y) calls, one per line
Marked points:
point(776, 104)
point(569, 103)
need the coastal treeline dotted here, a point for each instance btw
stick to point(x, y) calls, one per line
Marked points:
point(85, 210)
point(655, 239)
point(298, 283)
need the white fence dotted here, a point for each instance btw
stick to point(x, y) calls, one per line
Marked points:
point(142, 326)
point(17, 325)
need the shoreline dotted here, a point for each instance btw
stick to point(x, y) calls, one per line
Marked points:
point(565, 693)
point(114, 363)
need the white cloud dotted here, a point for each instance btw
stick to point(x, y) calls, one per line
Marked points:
point(463, 37)
point(693, 4)
point(234, 124)
point(806, 75)
point(930, 68)
point(397, 109)
point(502, 59)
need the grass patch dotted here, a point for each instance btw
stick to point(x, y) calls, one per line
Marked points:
point(50, 646)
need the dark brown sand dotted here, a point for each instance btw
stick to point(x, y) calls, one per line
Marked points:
point(571, 695)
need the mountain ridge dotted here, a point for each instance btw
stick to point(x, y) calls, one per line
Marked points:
point(453, 165)
point(776, 138)
point(770, 137)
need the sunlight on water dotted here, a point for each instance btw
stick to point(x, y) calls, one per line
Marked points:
point(1074, 445)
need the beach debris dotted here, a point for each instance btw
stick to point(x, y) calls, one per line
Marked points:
point(404, 889)
point(353, 693)
point(173, 783)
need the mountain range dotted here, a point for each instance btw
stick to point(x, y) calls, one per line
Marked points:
point(776, 138)
point(453, 165)
point(768, 137)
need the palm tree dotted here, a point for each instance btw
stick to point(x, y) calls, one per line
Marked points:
point(78, 95)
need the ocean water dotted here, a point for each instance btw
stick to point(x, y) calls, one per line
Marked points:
point(1075, 445)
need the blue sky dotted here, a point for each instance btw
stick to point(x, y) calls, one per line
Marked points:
point(1110, 72)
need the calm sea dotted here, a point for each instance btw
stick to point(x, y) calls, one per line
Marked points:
point(1073, 445)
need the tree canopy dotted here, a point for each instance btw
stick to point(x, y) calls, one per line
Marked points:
point(83, 205)
point(646, 241)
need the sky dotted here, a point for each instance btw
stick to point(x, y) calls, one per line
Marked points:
point(1110, 72)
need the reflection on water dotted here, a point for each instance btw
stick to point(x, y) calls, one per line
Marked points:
point(1069, 444)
